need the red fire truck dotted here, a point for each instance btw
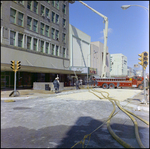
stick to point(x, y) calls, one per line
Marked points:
point(111, 83)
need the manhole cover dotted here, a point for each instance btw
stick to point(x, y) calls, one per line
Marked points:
point(21, 108)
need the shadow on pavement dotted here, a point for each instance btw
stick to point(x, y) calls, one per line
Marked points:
point(64, 136)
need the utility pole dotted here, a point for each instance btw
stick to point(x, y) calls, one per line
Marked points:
point(144, 63)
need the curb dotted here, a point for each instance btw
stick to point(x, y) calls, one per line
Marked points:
point(134, 106)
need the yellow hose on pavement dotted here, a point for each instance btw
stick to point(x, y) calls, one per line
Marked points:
point(127, 112)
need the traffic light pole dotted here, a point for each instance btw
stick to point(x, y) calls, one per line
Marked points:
point(15, 69)
point(15, 83)
point(145, 98)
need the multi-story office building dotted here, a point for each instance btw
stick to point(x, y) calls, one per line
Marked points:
point(35, 33)
point(118, 65)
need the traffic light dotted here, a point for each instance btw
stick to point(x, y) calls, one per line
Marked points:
point(12, 65)
point(18, 65)
point(141, 59)
point(145, 59)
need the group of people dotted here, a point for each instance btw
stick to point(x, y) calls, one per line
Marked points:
point(56, 84)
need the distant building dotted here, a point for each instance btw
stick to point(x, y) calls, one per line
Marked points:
point(130, 71)
point(139, 72)
point(97, 49)
point(118, 65)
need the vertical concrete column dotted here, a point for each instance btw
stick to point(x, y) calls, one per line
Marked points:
point(49, 49)
point(54, 49)
point(2, 33)
point(44, 47)
point(16, 40)
point(38, 44)
point(31, 43)
point(24, 39)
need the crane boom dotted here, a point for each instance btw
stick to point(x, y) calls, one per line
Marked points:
point(103, 75)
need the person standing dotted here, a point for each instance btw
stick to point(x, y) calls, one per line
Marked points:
point(77, 84)
point(56, 85)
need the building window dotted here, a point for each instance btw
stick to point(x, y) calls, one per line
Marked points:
point(29, 42)
point(64, 9)
point(29, 23)
point(12, 16)
point(21, 2)
point(47, 12)
point(64, 52)
point(57, 50)
point(1, 9)
point(47, 31)
point(35, 25)
point(53, 3)
point(53, 33)
point(29, 5)
point(64, 22)
point(20, 19)
point(57, 35)
point(48, 2)
point(57, 18)
point(42, 29)
point(47, 47)
point(20, 40)
point(64, 38)
point(42, 46)
point(35, 44)
point(57, 4)
point(36, 7)
point(42, 9)
point(53, 48)
point(12, 38)
point(53, 17)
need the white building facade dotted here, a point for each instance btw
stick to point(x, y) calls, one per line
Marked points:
point(97, 49)
point(118, 65)
point(79, 47)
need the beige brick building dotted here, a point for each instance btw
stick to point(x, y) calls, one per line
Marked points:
point(35, 33)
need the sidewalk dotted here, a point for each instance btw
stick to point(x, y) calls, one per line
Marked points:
point(30, 93)
point(136, 102)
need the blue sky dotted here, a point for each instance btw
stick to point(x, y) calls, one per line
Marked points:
point(128, 30)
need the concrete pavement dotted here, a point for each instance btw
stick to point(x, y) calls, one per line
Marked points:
point(128, 97)
point(61, 120)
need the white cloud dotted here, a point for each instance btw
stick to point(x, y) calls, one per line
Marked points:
point(110, 30)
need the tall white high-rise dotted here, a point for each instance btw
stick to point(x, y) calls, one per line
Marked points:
point(118, 65)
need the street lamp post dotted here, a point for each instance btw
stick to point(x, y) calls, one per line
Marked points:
point(124, 7)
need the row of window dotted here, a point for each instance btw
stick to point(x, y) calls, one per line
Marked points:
point(14, 14)
point(32, 24)
point(34, 5)
point(18, 39)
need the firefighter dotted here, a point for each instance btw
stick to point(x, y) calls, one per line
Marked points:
point(77, 84)
point(56, 84)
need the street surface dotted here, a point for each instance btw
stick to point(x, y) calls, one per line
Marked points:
point(61, 120)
